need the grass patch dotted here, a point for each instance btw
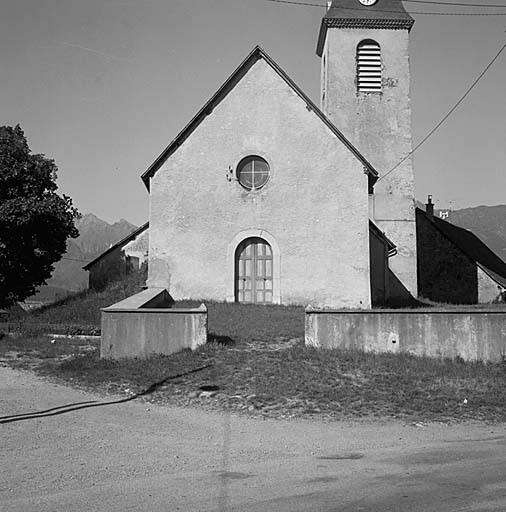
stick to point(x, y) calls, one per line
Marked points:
point(259, 365)
point(84, 307)
point(78, 313)
point(28, 352)
point(300, 381)
point(249, 322)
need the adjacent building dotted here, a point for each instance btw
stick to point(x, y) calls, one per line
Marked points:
point(454, 265)
point(125, 256)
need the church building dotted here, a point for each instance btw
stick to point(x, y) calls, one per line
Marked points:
point(265, 197)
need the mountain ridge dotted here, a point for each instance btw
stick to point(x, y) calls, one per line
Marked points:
point(95, 236)
point(487, 222)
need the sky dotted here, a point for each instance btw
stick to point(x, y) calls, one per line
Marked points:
point(103, 86)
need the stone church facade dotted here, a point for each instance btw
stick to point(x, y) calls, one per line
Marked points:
point(266, 198)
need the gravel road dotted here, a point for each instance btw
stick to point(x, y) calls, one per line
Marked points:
point(141, 457)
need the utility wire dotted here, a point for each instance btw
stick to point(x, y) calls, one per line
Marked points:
point(434, 2)
point(296, 3)
point(293, 2)
point(451, 111)
point(450, 13)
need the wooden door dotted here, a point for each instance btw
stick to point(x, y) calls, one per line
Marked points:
point(254, 272)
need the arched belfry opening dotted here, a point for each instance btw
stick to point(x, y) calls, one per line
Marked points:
point(254, 272)
point(368, 66)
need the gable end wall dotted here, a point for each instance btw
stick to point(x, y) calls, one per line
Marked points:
point(314, 205)
point(445, 273)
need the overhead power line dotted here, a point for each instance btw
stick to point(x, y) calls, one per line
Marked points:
point(459, 4)
point(321, 6)
point(297, 3)
point(450, 112)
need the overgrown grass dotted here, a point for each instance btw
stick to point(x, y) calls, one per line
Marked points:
point(248, 322)
point(78, 313)
point(26, 351)
point(84, 307)
point(258, 364)
point(257, 361)
point(300, 381)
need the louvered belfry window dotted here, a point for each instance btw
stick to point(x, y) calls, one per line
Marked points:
point(368, 66)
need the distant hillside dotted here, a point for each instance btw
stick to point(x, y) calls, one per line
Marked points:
point(95, 236)
point(486, 222)
point(50, 294)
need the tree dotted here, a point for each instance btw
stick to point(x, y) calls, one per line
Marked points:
point(35, 221)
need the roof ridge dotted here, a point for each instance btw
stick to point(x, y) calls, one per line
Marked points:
point(257, 53)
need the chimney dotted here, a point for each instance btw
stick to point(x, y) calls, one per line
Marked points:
point(429, 208)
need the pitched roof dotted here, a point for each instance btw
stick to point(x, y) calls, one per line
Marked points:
point(121, 243)
point(473, 248)
point(221, 93)
point(392, 248)
point(386, 14)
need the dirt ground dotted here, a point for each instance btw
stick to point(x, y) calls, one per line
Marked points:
point(142, 457)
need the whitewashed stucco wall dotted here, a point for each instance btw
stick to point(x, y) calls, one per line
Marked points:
point(315, 204)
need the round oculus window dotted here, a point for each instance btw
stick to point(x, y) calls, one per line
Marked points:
point(253, 172)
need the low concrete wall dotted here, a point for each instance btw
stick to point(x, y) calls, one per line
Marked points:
point(139, 331)
point(469, 334)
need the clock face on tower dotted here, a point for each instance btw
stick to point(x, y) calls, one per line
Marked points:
point(367, 2)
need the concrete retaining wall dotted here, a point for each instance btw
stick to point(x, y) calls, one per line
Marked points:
point(469, 334)
point(141, 329)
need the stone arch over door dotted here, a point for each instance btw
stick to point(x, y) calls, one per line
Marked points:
point(231, 262)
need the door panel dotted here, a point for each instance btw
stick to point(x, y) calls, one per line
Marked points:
point(254, 271)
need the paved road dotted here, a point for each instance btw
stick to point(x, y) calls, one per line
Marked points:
point(140, 457)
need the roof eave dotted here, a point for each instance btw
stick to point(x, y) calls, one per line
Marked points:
point(242, 69)
point(436, 221)
point(497, 278)
point(391, 246)
point(207, 109)
point(403, 24)
point(121, 242)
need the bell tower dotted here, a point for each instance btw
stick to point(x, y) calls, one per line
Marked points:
point(365, 92)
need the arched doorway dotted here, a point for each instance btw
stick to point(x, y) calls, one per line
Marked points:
point(254, 271)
